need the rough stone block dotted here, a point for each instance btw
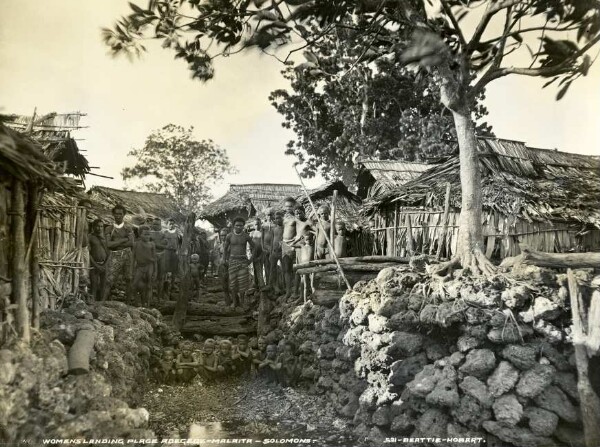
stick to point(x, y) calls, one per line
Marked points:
point(508, 409)
point(553, 399)
point(465, 343)
point(523, 357)
point(470, 412)
point(535, 380)
point(381, 416)
point(432, 423)
point(503, 379)
point(403, 371)
point(517, 436)
point(479, 363)
point(377, 323)
point(568, 383)
point(445, 394)
point(405, 344)
point(541, 422)
point(476, 388)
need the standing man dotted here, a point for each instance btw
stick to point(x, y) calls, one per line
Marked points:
point(171, 256)
point(219, 262)
point(237, 261)
point(267, 243)
point(323, 230)
point(288, 252)
point(160, 243)
point(119, 240)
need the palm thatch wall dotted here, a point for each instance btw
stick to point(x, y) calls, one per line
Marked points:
point(543, 198)
point(140, 206)
point(379, 176)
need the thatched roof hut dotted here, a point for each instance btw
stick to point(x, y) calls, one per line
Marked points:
point(145, 204)
point(378, 176)
point(245, 200)
point(348, 204)
point(544, 198)
point(53, 133)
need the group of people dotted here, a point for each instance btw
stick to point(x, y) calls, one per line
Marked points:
point(134, 261)
point(272, 247)
point(226, 358)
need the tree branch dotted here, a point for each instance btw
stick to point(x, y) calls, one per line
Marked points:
point(455, 24)
point(493, 8)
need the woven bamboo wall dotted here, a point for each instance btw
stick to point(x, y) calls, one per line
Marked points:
point(60, 231)
point(502, 234)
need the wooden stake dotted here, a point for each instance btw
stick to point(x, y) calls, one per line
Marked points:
point(409, 241)
point(395, 234)
point(19, 280)
point(333, 209)
point(329, 242)
point(589, 400)
point(442, 238)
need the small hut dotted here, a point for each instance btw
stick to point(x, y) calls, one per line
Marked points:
point(246, 200)
point(545, 199)
point(140, 206)
point(30, 186)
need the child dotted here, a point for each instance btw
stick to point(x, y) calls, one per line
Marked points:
point(196, 272)
point(258, 355)
point(269, 368)
point(340, 243)
point(290, 365)
point(144, 266)
point(186, 364)
point(225, 358)
point(208, 366)
point(243, 354)
point(275, 254)
point(99, 260)
point(237, 260)
point(321, 245)
point(305, 254)
point(165, 372)
point(257, 254)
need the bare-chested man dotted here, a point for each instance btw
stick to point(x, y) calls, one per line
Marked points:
point(267, 242)
point(321, 245)
point(237, 260)
point(302, 227)
point(275, 254)
point(288, 253)
point(257, 254)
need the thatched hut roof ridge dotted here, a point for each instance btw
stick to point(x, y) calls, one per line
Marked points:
point(135, 202)
point(535, 184)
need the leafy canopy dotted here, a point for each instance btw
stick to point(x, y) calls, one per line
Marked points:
point(172, 162)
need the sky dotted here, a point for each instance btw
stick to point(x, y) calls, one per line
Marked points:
point(52, 58)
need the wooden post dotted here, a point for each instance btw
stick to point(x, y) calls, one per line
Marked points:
point(584, 329)
point(184, 269)
point(442, 238)
point(333, 206)
point(19, 285)
point(409, 241)
point(395, 234)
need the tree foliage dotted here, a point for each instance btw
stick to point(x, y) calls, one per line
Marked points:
point(342, 108)
point(172, 162)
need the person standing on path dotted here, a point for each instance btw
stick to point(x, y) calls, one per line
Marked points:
point(219, 260)
point(160, 243)
point(288, 252)
point(119, 240)
point(171, 257)
point(237, 261)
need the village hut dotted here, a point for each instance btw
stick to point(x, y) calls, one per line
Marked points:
point(246, 200)
point(544, 199)
point(53, 133)
point(141, 207)
point(376, 177)
point(40, 232)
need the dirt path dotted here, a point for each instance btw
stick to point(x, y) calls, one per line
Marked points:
point(243, 408)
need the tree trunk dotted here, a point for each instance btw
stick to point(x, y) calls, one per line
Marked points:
point(19, 280)
point(184, 270)
point(469, 251)
point(554, 260)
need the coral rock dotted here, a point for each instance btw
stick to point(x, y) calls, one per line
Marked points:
point(541, 422)
point(503, 379)
point(508, 410)
point(553, 399)
point(479, 363)
point(476, 388)
point(535, 380)
point(523, 357)
point(445, 394)
point(517, 436)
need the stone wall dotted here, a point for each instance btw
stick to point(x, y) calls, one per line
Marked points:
point(39, 399)
point(406, 355)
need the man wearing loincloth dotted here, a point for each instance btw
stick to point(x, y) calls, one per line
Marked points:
point(160, 243)
point(171, 257)
point(119, 240)
point(237, 261)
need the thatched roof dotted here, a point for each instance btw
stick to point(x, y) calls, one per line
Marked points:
point(535, 184)
point(21, 157)
point(52, 133)
point(378, 176)
point(347, 204)
point(246, 200)
point(136, 203)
